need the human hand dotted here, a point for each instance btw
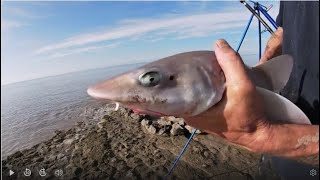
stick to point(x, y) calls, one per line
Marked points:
point(240, 112)
point(273, 47)
point(239, 117)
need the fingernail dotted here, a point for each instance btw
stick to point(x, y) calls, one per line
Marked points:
point(221, 43)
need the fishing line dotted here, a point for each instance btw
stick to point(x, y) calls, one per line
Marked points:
point(181, 152)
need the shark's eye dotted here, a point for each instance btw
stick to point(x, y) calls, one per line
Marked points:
point(150, 79)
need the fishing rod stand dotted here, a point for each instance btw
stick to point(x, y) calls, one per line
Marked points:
point(256, 10)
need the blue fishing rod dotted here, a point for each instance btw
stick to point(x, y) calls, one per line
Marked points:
point(255, 11)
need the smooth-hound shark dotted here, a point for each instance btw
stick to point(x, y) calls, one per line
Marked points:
point(190, 83)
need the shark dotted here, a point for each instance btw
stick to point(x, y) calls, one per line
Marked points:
point(190, 83)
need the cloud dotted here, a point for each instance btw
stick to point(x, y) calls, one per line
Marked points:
point(9, 24)
point(183, 26)
point(82, 50)
point(19, 12)
point(14, 17)
point(160, 28)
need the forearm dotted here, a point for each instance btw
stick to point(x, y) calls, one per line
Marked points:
point(300, 142)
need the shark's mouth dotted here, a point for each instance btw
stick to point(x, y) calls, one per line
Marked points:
point(139, 111)
point(146, 111)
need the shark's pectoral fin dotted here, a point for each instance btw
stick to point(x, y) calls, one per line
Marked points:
point(273, 74)
point(279, 108)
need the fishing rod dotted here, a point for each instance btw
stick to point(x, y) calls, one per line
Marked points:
point(258, 7)
point(255, 12)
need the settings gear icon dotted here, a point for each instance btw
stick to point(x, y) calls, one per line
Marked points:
point(313, 172)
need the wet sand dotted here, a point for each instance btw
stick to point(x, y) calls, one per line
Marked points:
point(125, 145)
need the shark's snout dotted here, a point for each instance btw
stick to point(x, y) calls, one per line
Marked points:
point(97, 93)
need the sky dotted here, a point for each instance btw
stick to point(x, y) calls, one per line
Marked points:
point(47, 38)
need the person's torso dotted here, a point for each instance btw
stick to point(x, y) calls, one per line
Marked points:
point(300, 22)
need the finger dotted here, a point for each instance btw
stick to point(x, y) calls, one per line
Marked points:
point(279, 32)
point(268, 54)
point(230, 62)
point(273, 47)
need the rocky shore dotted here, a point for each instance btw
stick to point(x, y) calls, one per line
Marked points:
point(124, 145)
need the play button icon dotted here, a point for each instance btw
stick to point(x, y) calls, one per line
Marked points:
point(11, 172)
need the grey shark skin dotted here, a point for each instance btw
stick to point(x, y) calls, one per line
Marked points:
point(190, 83)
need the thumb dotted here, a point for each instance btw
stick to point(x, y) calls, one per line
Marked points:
point(230, 62)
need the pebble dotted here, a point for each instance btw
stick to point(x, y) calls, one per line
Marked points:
point(59, 146)
point(161, 131)
point(163, 122)
point(180, 121)
point(145, 122)
point(176, 129)
point(68, 141)
point(176, 120)
point(103, 120)
point(135, 116)
point(171, 118)
point(151, 129)
point(77, 136)
point(204, 165)
point(176, 126)
point(190, 129)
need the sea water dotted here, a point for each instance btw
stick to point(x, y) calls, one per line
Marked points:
point(32, 110)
